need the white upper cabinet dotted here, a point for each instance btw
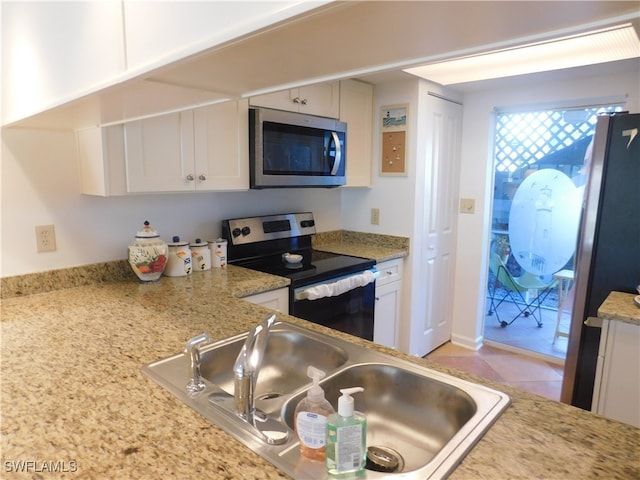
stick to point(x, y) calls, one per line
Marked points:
point(53, 52)
point(356, 110)
point(202, 149)
point(160, 153)
point(321, 99)
point(101, 160)
point(221, 139)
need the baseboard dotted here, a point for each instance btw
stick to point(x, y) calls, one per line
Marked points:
point(526, 353)
point(474, 344)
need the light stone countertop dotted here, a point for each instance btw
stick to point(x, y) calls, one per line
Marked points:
point(73, 392)
point(620, 306)
point(378, 247)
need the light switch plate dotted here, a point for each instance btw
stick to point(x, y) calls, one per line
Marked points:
point(375, 216)
point(467, 205)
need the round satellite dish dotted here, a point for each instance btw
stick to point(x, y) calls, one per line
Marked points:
point(544, 220)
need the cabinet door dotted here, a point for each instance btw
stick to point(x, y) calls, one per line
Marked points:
point(222, 146)
point(277, 300)
point(282, 100)
point(617, 389)
point(321, 99)
point(387, 312)
point(160, 153)
point(356, 109)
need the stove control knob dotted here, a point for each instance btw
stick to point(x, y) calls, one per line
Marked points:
point(236, 232)
point(246, 231)
point(307, 223)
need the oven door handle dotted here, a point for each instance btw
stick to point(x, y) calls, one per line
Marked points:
point(333, 289)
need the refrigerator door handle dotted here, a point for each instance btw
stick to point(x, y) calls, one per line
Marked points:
point(593, 322)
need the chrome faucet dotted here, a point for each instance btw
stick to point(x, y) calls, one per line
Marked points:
point(245, 373)
point(192, 349)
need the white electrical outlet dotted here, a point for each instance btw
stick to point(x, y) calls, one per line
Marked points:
point(375, 216)
point(45, 238)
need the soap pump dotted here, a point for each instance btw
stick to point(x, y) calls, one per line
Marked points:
point(310, 418)
point(346, 436)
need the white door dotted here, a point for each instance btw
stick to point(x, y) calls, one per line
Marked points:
point(443, 135)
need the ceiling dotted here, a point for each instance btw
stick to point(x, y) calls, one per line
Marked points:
point(367, 40)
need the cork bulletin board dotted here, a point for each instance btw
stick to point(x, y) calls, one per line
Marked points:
point(393, 139)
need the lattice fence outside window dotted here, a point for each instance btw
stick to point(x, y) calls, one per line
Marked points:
point(523, 139)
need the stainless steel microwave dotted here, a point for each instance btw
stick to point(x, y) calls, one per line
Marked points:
point(288, 149)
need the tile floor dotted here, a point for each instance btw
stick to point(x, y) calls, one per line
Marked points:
point(526, 373)
point(525, 334)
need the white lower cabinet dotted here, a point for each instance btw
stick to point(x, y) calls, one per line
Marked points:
point(274, 299)
point(202, 149)
point(616, 392)
point(388, 303)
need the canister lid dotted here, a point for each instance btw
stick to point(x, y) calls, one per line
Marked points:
point(199, 243)
point(177, 243)
point(147, 231)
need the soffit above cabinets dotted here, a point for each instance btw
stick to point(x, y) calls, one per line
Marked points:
point(338, 40)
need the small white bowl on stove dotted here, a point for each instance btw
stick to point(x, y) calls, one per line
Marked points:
point(292, 258)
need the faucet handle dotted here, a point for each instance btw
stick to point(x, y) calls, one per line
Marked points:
point(192, 349)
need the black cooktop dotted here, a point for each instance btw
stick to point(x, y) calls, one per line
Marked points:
point(258, 243)
point(316, 266)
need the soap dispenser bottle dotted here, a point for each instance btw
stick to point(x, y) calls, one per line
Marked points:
point(310, 418)
point(346, 437)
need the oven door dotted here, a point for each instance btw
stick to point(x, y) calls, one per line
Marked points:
point(335, 305)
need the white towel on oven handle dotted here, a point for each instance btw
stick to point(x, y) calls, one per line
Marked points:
point(338, 288)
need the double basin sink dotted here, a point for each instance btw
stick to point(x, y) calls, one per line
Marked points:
point(420, 423)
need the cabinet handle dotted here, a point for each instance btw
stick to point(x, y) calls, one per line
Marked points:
point(190, 177)
point(297, 100)
point(202, 177)
point(304, 101)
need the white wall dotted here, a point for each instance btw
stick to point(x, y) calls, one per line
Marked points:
point(401, 199)
point(476, 179)
point(40, 185)
point(394, 196)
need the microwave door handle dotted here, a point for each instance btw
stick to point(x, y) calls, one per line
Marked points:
point(338, 160)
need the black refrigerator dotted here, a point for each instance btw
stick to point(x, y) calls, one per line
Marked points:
point(608, 250)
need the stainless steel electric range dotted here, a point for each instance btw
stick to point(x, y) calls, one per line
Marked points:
point(337, 291)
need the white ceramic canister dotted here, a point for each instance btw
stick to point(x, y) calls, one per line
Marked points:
point(148, 254)
point(218, 253)
point(201, 255)
point(179, 262)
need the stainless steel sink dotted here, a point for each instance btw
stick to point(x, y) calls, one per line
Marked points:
point(285, 361)
point(427, 421)
point(407, 413)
